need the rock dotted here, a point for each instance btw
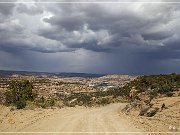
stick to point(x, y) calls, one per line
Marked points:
point(141, 121)
point(144, 110)
point(151, 112)
point(134, 103)
point(163, 106)
point(73, 100)
point(174, 128)
point(170, 128)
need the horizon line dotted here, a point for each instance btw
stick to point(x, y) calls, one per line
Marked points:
point(59, 72)
point(92, 2)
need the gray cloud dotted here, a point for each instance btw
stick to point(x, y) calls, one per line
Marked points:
point(134, 38)
point(6, 9)
point(122, 24)
point(29, 9)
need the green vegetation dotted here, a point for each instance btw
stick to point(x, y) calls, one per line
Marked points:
point(18, 93)
point(44, 103)
point(154, 84)
point(90, 98)
point(145, 88)
point(170, 94)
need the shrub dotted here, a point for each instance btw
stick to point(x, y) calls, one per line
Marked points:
point(59, 104)
point(2, 97)
point(44, 103)
point(153, 93)
point(158, 84)
point(51, 102)
point(18, 93)
point(103, 101)
point(84, 98)
point(20, 104)
point(165, 89)
point(169, 94)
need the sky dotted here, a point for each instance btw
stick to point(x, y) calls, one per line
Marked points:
point(104, 38)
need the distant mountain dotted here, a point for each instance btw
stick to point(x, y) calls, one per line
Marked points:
point(79, 75)
point(9, 73)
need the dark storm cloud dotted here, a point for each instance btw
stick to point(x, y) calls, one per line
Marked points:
point(156, 36)
point(134, 38)
point(96, 27)
point(122, 23)
point(6, 9)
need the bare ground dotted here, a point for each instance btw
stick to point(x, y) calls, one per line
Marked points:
point(164, 121)
point(81, 120)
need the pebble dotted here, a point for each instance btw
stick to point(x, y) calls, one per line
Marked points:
point(141, 121)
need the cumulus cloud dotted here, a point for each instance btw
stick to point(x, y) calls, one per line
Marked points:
point(139, 24)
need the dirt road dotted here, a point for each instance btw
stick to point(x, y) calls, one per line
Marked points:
point(79, 120)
